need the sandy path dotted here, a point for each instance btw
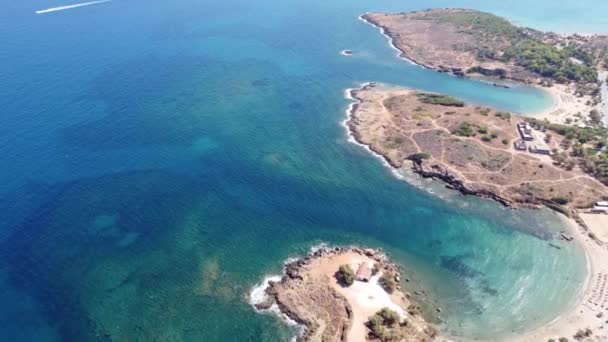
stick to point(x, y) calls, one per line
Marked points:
point(365, 298)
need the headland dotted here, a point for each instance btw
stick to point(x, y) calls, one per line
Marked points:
point(347, 294)
point(474, 149)
point(470, 43)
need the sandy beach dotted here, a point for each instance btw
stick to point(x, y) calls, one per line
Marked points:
point(566, 108)
point(591, 308)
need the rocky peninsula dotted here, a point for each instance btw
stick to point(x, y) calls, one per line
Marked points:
point(476, 150)
point(347, 294)
point(470, 43)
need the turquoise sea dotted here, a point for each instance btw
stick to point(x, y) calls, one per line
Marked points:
point(161, 158)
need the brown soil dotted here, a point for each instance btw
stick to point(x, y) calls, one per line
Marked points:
point(394, 123)
point(309, 294)
point(432, 43)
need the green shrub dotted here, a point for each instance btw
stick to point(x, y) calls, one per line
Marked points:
point(387, 281)
point(505, 141)
point(464, 130)
point(437, 99)
point(375, 269)
point(485, 111)
point(419, 157)
point(503, 115)
point(414, 310)
point(381, 323)
point(346, 275)
point(486, 138)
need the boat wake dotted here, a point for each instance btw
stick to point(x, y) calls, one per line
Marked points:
point(62, 8)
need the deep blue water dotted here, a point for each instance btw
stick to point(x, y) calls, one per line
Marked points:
point(160, 158)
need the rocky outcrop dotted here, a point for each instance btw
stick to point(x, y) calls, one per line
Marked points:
point(307, 296)
point(438, 171)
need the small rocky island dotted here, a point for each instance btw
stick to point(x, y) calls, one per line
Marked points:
point(347, 294)
point(476, 150)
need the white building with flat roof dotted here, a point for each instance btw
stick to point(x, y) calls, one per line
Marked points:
point(541, 148)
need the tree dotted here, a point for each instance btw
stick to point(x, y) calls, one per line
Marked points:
point(382, 325)
point(419, 157)
point(387, 281)
point(595, 117)
point(346, 275)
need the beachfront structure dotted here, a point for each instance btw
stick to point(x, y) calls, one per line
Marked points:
point(525, 130)
point(364, 272)
point(520, 145)
point(600, 210)
point(541, 149)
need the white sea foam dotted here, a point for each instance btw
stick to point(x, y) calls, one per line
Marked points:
point(66, 7)
point(318, 247)
point(258, 296)
point(351, 138)
point(258, 293)
point(390, 42)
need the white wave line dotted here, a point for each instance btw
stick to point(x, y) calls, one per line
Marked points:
point(61, 8)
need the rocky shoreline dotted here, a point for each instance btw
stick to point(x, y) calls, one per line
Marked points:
point(426, 171)
point(436, 170)
point(402, 54)
point(510, 75)
point(307, 297)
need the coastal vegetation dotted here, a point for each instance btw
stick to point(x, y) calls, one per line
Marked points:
point(388, 283)
point(465, 129)
point(419, 157)
point(346, 275)
point(437, 99)
point(496, 39)
point(469, 42)
point(383, 325)
point(504, 115)
point(547, 61)
point(580, 146)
